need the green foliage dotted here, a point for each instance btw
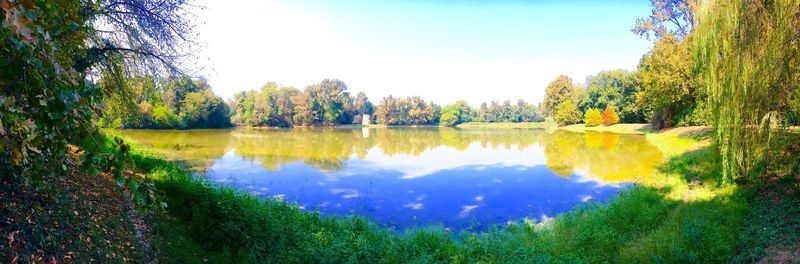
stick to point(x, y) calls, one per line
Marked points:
point(407, 111)
point(42, 107)
point(457, 113)
point(448, 118)
point(593, 117)
point(165, 118)
point(522, 111)
point(559, 90)
point(567, 113)
point(178, 103)
point(749, 57)
point(669, 17)
point(610, 116)
point(617, 88)
point(325, 103)
point(47, 49)
point(670, 85)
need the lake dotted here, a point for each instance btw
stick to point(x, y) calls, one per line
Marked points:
point(462, 179)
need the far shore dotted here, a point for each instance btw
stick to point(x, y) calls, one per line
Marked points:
point(638, 129)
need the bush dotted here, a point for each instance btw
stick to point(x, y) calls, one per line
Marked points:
point(593, 117)
point(610, 116)
point(567, 113)
point(164, 118)
point(448, 119)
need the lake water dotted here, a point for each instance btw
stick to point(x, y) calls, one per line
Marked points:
point(463, 179)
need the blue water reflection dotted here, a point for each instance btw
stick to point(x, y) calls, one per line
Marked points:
point(403, 177)
point(458, 192)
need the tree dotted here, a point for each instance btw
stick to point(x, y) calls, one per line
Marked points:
point(526, 112)
point(669, 83)
point(483, 113)
point(668, 17)
point(165, 118)
point(592, 117)
point(448, 119)
point(262, 111)
point(749, 57)
point(306, 109)
point(610, 116)
point(456, 113)
point(146, 114)
point(568, 113)
point(192, 100)
point(284, 108)
point(363, 105)
point(618, 88)
point(407, 111)
point(330, 95)
point(193, 110)
point(419, 112)
point(388, 111)
point(494, 114)
point(218, 111)
point(48, 51)
point(558, 91)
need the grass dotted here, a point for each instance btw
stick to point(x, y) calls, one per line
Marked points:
point(682, 214)
point(771, 232)
point(506, 125)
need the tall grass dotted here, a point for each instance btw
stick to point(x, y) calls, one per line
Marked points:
point(669, 218)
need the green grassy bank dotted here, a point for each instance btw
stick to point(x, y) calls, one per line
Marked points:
point(682, 214)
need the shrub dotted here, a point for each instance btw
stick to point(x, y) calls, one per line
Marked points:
point(164, 118)
point(567, 113)
point(610, 116)
point(448, 119)
point(593, 117)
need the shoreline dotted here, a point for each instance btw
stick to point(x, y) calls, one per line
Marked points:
point(626, 128)
point(197, 211)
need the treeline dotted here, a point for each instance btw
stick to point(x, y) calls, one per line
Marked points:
point(329, 103)
point(665, 89)
point(613, 92)
point(461, 112)
point(178, 102)
point(727, 63)
point(324, 103)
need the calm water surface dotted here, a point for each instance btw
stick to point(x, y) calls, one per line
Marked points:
point(404, 177)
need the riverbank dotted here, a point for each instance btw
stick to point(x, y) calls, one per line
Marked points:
point(70, 218)
point(683, 213)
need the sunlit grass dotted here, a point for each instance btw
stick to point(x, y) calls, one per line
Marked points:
point(616, 128)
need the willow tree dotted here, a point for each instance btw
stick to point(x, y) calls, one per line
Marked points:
point(749, 56)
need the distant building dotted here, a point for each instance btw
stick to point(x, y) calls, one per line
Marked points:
point(365, 120)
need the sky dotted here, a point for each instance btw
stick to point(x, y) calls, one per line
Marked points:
point(442, 50)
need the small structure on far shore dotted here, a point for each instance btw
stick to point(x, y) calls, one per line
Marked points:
point(365, 120)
